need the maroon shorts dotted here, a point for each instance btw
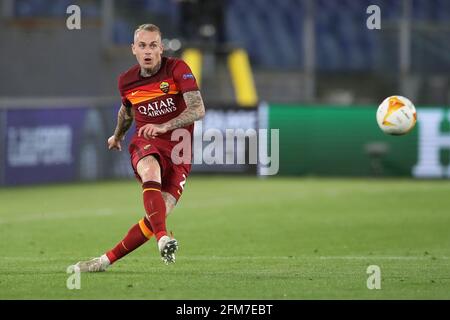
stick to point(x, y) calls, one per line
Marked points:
point(173, 177)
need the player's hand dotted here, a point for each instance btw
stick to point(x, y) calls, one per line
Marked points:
point(114, 143)
point(149, 130)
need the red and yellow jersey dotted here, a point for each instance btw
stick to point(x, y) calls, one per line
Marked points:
point(159, 98)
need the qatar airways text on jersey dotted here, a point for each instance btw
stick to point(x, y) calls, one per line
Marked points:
point(157, 108)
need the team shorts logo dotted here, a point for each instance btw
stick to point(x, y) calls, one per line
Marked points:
point(164, 86)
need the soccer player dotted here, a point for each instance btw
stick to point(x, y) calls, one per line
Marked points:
point(161, 95)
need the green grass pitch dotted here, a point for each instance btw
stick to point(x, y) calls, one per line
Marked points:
point(240, 238)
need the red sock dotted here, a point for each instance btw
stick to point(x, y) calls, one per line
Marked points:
point(155, 207)
point(136, 236)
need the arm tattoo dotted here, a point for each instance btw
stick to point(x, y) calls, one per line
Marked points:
point(124, 121)
point(195, 110)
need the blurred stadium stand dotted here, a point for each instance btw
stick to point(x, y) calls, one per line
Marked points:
point(347, 55)
point(307, 58)
point(46, 8)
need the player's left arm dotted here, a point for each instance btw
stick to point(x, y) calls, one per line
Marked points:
point(195, 110)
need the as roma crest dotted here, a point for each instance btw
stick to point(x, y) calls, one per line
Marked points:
point(164, 86)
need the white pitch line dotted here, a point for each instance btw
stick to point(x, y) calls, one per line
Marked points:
point(238, 258)
point(380, 257)
point(312, 257)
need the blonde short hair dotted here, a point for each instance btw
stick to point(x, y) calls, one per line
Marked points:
point(147, 27)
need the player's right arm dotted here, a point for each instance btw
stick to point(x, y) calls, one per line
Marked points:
point(124, 121)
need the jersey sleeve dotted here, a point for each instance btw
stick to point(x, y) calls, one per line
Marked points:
point(123, 98)
point(183, 77)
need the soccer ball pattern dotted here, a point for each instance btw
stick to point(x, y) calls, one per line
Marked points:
point(396, 115)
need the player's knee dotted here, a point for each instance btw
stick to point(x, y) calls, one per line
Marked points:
point(149, 170)
point(149, 174)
